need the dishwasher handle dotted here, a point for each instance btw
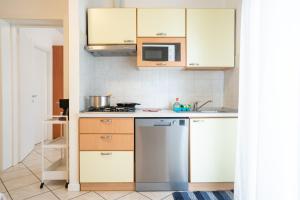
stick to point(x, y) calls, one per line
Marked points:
point(163, 124)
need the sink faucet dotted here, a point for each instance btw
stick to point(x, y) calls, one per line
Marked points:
point(197, 108)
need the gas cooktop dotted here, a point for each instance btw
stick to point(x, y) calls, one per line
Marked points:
point(111, 109)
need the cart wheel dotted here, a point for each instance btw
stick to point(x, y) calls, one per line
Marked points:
point(42, 185)
point(66, 185)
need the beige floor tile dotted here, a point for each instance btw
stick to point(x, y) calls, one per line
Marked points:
point(89, 196)
point(112, 195)
point(15, 174)
point(33, 163)
point(27, 191)
point(170, 197)
point(156, 195)
point(38, 174)
point(20, 182)
point(134, 196)
point(36, 165)
point(53, 185)
point(38, 145)
point(2, 188)
point(17, 167)
point(64, 194)
point(38, 149)
point(7, 196)
point(32, 156)
point(44, 196)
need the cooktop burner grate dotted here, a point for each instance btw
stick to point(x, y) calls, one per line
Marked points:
point(111, 109)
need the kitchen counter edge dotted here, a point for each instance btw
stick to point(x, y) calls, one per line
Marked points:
point(162, 113)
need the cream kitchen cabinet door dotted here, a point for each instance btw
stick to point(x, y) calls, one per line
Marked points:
point(106, 166)
point(161, 22)
point(210, 38)
point(212, 149)
point(111, 26)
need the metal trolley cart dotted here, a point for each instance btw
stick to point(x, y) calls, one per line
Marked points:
point(59, 169)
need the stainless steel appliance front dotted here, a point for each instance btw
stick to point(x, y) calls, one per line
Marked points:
point(161, 154)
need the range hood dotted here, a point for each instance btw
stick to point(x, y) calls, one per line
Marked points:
point(112, 50)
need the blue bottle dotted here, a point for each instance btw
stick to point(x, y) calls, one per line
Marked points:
point(177, 106)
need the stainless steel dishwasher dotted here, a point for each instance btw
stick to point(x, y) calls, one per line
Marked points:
point(161, 154)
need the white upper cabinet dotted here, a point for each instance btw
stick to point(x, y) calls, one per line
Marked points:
point(212, 149)
point(111, 26)
point(210, 38)
point(161, 22)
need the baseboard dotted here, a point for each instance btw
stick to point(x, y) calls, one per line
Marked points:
point(75, 187)
point(107, 186)
point(211, 186)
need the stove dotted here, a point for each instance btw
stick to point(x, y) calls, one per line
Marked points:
point(111, 109)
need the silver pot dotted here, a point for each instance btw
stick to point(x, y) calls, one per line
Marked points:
point(99, 101)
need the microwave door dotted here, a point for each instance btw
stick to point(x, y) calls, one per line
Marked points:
point(155, 53)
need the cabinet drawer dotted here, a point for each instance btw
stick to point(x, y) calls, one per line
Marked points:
point(106, 166)
point(106, 125)
point(123, 142)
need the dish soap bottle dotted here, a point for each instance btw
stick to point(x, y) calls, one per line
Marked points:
point(176, 106)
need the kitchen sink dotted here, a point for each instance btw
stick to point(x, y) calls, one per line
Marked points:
point(214, 110)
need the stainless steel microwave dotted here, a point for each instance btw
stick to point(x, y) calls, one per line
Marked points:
point(160, 52)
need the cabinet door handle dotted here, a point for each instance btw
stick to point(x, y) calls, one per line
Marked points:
point(161, 64)
point(106, 121)
point(106, 154)
point(198, 120)
point(128, 41)
point(193, 64)
point(106, 137)
point(161, 34)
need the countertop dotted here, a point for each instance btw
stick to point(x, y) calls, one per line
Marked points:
point(161, 113)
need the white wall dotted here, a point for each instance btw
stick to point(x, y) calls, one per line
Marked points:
point(6, 95)
point(231, 77)
point(33, 9)
point(151, 88)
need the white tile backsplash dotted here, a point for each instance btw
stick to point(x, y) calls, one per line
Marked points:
point(152, 88)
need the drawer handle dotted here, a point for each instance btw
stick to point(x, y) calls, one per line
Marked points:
point(106, 154)
point(161, 64)
point(128, 41)
point(195, 120)
point(193, 64)
point(161, 34)
point(106, 137)
point(106, 121)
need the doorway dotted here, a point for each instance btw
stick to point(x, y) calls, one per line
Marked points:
point(58, 81)
point(29, 52)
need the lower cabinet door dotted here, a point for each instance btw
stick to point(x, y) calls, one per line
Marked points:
point(212, 149)
point(106, 166)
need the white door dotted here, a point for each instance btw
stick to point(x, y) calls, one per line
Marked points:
point(40, 90)
point(32, 94)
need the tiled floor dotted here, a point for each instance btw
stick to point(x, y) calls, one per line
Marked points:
point(23, 182)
